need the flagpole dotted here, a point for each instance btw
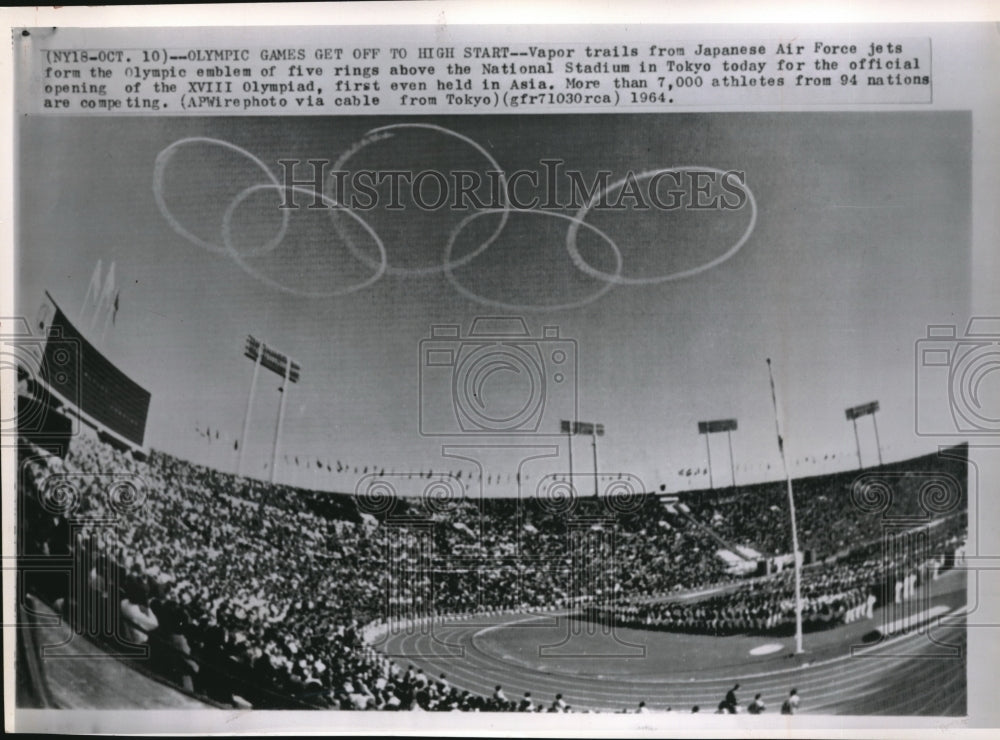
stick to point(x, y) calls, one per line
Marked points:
point(107, 322)
point(791, 511)
point(106, 291)
point(95, 286)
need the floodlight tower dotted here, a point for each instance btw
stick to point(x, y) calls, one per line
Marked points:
point(280, 364)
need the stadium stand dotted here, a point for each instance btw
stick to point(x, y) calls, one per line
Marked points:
point(253, 594)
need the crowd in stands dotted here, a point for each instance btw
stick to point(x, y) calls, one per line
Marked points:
point(835, 593)
point(255, 594)
point(833, 512)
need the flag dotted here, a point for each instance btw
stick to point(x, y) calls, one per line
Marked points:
point(236, 444)
point(774, 402)
point(114, 314)
point(109, 285)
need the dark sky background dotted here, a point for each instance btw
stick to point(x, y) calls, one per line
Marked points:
point(861, 239)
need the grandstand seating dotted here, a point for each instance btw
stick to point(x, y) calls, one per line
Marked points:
point(253, 593)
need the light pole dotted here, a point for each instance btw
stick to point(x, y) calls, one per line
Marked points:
point(595, 431)
point(856, 412)
point(712, 427)
point(280, 364)
point(567, 429)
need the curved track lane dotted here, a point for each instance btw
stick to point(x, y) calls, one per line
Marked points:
point(904, 676)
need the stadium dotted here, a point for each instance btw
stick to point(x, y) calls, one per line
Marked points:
point(491, 604)
point(342, 525)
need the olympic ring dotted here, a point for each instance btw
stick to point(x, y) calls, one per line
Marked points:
point(379, 134)
point(164, 157)
point(238, 258)
point(617, 278)
point(608, 285)
point(381, 266)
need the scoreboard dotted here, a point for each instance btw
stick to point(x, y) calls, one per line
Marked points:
point(75, 369)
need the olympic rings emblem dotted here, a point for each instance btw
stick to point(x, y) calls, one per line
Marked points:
point(226, 247)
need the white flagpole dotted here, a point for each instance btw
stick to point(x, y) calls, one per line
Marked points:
point(93, 290)
point(106, 298)
point(107, 321)
point(791, 511)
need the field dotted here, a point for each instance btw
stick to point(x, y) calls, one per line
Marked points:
point(922, 672)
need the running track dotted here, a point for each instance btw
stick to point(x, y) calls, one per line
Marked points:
point(918, 684)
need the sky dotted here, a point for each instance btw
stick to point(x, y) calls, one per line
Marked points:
point(859, 240)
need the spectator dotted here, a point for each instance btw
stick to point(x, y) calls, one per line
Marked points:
point(218, 569)
point(791, 704)
point(730, 703)
point(138, 619)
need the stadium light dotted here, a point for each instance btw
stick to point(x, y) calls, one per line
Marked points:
point(583, 427)
point(711, 427)
point(566, 427)
point(280, 364)
point(853, 414)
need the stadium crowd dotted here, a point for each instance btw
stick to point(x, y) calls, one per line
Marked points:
point(254, 594)
point(840, 592)
point(836, 512)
